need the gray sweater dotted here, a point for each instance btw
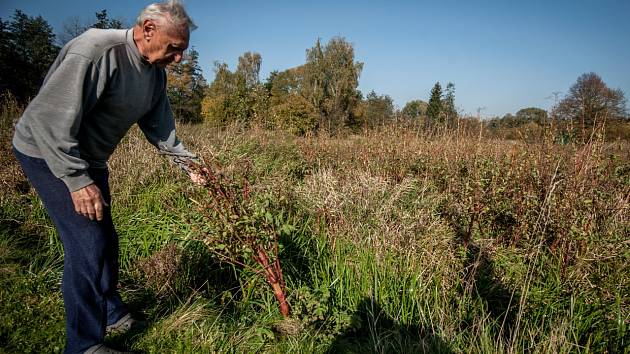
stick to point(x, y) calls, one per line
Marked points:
point(96, 89)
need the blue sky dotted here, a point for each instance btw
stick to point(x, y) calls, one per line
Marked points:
point(501, 55)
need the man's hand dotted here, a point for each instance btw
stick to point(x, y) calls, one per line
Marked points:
point(197, 178)
point(89, 202)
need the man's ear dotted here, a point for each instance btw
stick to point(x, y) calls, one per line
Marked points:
point(149, 28)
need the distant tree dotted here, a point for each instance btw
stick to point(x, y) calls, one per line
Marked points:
point(236, 96)
point(330, 81)
point(448, 105)
point(435, 109)
point(509, 121)
point(589, 101)
point(253, 92)
point(377, 109)
point(28, 50)
point(218, 106)
point(186, 87)
point(249, 68)
point(70, 28)
point(74, 26)
point(5, 58)
point(532, 114)
point(290, 110)
point(414, 109)
point(295, 114)
point(281, 84)
point(315, 77)
point(104, 22)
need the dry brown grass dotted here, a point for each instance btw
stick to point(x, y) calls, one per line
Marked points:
point(161, 270)
point(12, 181)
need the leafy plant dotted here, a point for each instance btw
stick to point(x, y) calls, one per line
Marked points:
point(243, 229)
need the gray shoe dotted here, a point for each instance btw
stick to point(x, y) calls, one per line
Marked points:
point(103, 349)
point(125, 324)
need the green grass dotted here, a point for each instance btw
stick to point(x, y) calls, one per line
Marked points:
point(402, 243)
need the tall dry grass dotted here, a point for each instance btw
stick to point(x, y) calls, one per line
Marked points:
point(481, 235)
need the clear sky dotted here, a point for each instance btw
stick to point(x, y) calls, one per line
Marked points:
point(501, 55)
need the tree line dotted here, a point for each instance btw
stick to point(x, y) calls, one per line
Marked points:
point(28, 46)
point(320, 95)
point(589, 103)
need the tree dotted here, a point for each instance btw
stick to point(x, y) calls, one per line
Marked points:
point(590, 101)
point(331, 78)
point(377, 109)
point(236, 96)
point(507, 121)
point(74, 26)
point(221, 102)
point(450, 112)
point(282, 84)
point(252, 91)
point(70, 28)
point(415, 109)
point(295, 114)
point(531, 114)
point(435, 109)
point(28, 50)
point(5, 58)
point(186, 87)
point(104, 22)
point(290, 110)
point(249, 68)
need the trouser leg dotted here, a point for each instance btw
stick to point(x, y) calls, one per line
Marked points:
point(116, 309)
point(90, 256)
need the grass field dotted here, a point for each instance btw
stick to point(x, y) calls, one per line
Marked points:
point(403, 241)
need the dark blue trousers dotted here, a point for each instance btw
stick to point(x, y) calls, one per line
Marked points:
point(90, 267)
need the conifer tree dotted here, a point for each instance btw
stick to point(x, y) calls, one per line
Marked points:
point(448, 105)
point(28, 50)
point(435, 109)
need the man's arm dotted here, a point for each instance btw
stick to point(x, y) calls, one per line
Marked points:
point(158, 127)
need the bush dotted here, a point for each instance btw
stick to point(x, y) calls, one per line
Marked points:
point(295, 115)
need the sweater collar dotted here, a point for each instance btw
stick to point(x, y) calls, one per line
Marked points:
point(134, 48)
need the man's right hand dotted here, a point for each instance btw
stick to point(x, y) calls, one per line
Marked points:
point(89, 202)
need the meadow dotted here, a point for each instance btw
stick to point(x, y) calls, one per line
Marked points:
point(402, 240)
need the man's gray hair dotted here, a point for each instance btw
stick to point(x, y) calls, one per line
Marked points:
point(171, 11)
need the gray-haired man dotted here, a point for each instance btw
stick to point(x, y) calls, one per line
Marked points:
point(102, 83)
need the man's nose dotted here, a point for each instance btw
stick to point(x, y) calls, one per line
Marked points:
point(178, 57)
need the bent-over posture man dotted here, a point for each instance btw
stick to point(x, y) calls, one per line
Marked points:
point(101, 83)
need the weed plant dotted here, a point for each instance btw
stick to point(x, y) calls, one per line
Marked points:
point(239, 227)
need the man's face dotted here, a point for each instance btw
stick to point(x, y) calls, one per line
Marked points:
point(164, 45)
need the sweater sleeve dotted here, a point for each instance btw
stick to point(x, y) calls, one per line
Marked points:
point(158, 127)
point(55, 116)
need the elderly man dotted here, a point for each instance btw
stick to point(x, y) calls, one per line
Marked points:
point(101, 83)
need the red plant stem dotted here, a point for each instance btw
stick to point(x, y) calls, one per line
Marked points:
point(274, 278)
point(278, 292)
point(278, 271)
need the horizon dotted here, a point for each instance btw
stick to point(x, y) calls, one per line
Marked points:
point(502, 57)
